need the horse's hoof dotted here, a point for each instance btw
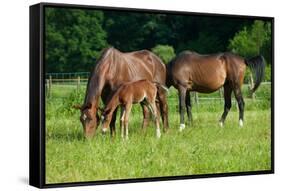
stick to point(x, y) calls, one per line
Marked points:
point(221, 124)
point(182, 127)
point(240, 123)
point(158, 134)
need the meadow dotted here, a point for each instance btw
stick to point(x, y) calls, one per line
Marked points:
point(203, 148)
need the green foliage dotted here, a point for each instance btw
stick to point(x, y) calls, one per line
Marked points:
point(74, 39)
point(252, 40)
point(74, 98)
point(267, 76)
point(165, 52)
point(206, 43)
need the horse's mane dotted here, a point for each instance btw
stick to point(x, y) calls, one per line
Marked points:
point(188, 52)
point(93, 75)
point(104, 55)
point(108, 59)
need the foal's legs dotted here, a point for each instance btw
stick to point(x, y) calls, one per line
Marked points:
point(182, 94)
point(227, 102)
point(188, 107)
point(122, 118)
point(145, 111)
point(156, 118)
point(241, 104)
point(126, 119)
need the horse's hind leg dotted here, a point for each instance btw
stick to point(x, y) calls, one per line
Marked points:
point(182, 94)
point(241, 104)
point(146, 115)
point(161, 94)
point(227, 103)
point(188, 107)
point(156, 118)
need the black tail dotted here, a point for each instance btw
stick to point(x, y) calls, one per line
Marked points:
point(257, 66)
point(169, 72)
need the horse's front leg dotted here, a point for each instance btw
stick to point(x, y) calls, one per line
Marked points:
point(112, 123)
point(182, 94)
point(188, 107)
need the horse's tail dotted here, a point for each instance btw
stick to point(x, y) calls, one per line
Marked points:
point(168, 72)
point(158, 85)
point(257, 66)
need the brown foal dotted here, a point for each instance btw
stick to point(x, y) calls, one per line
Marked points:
point(141, 91)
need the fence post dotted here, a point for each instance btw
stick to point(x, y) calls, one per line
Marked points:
point(78, 83)
point(251, 86)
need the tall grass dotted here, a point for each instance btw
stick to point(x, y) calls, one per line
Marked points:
point(201, 149)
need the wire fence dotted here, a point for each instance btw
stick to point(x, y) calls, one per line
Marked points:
point(79, 79)
point(67, 75)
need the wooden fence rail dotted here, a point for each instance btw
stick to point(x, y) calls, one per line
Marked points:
point(78, 81)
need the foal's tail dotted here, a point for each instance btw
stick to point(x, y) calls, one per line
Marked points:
point(158, 85)
point(257, 66)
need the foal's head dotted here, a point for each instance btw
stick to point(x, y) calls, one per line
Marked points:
point(106, 119)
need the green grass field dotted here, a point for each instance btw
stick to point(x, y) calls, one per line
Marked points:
point(201, 149)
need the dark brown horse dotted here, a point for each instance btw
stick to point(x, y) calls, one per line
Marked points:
point(190, 71)
point(112, 70)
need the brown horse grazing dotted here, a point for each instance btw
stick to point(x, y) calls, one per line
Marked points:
point(141, 91)
point(113, 69)
point(190, 71)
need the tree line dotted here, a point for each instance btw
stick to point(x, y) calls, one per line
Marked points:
point(76, 37)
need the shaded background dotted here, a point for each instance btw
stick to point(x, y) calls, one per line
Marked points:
point(76, 37)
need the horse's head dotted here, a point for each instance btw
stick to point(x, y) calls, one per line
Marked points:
point(89, 118)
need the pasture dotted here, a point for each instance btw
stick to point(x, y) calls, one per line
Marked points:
point(201, 149)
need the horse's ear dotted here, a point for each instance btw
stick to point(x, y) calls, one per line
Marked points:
point(77, 106)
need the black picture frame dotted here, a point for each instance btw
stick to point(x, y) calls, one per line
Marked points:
point(37, 132)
